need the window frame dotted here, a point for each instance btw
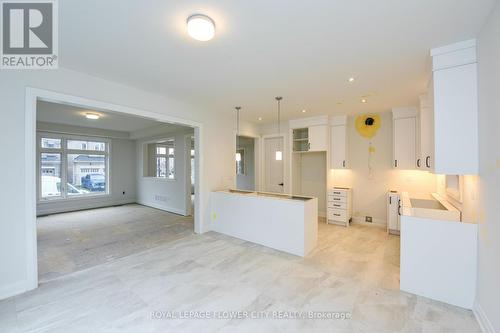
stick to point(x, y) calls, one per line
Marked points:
point(149, 158)
point(64, 151)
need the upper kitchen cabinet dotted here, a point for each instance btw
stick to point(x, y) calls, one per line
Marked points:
point(338, 136)
point(426, 147)
point(404, 138)
point(318, 138)
point(452, 111)
point(309, 134)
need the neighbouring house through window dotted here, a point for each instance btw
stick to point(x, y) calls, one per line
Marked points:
point(161, 159)
point(72, 166)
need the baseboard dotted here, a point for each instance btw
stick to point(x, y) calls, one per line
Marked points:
point(482, 319)
point(13, 289)
point(55, 207)
point(165, 208)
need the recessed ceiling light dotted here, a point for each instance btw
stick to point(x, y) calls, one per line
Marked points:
point(303, 111)
point(260, 118)
point(93, 116)
point(201, 27)
point(363, 100)
point(351, 79)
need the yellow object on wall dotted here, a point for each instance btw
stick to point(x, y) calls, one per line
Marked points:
point(367, 125)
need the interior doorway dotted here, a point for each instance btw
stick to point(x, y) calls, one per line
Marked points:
point(246, 163)
point(97, 180)
point(273, 165)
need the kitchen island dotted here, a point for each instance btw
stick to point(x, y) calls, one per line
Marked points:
point(283, 222)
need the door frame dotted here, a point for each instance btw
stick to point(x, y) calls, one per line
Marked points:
point(262, 185)
point(256, 158)
point(31, 97)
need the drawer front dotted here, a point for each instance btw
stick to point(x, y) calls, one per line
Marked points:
point(337, 215)
point(337, 204)
point(334, 198)
point(340, 193)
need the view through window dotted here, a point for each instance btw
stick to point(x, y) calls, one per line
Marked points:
point(72, 167)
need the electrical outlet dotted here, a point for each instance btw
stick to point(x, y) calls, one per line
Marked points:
point(368, 219)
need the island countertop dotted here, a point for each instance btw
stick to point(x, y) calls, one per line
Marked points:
point(274, 195)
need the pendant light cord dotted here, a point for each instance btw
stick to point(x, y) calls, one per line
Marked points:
point(279, 98)
point(238, 108)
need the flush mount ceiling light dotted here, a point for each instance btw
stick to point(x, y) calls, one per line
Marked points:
point(93, 116)
point(201, 27)
point(304, 111)
point(260, 118)
point(363, 100)
point(351, 79)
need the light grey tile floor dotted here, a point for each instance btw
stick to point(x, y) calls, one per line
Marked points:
point(353, 270)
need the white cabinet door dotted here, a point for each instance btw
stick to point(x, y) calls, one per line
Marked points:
point(404, 143)
point(393, 212)
point(455, 120)
point(425, 159)
point(318, 138)
point(339, 147)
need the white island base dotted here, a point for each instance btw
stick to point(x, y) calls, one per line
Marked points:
point(282, 222)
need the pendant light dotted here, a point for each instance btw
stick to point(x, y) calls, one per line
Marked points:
point(279, 153)
point(238, 155)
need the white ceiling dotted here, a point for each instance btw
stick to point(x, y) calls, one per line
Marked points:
point(71, 115)
point(302, 50)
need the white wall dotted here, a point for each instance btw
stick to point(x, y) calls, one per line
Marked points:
point(166, 194)
point(247, 180)
point(122, 171)
point(488, 289)
point(369, 194)
point(217, 155)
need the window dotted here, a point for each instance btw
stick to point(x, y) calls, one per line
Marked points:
point(72, 167)
point(160, 159)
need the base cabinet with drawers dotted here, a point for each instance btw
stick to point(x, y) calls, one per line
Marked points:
point(339, 210)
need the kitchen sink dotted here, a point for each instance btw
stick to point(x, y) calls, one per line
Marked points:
point(434, 207)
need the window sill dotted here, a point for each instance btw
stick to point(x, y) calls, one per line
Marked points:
point(161, 179)
point(80, 197)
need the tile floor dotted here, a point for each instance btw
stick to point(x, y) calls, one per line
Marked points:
point(353, 270)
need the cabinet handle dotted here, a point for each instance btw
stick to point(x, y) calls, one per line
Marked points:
point(308, 146)
point(334, 205)
point(343, 164)
point(390, 200)
point(396, 163)
point(418, 162)
point(336, 214)
point(428, 161)
point(336, 199)
point(399, 207)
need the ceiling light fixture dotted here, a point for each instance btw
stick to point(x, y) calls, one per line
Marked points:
point(201, 27)
point(351, 79)
point(303, 111)
point(363, 100)
point(279, 153)
point(93, 116)
point(260, 118)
